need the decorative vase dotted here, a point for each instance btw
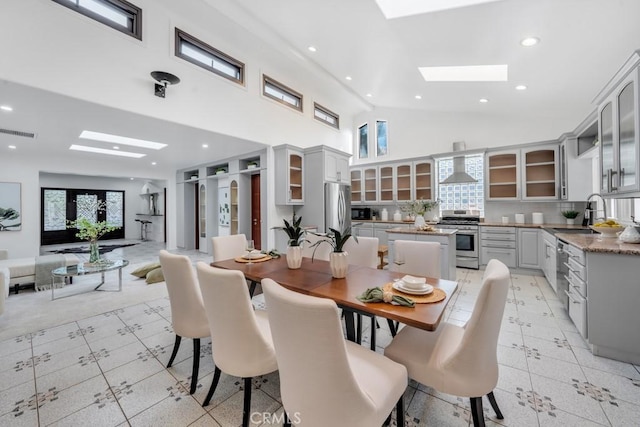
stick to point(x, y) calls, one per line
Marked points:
point(419, 222)
point(294, 257)
point(339, 263)
point(571, 221)
point(94, 252)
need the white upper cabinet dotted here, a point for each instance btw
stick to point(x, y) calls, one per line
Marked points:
point(503, 172)
point(289, 164)
point(336, 167)
point(357, 187)
point(386, 184)
point(540, 173)
point(402, 182)
point(423, 174)
point(370, 182)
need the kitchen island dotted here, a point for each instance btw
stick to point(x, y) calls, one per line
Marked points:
point(609, 269)
point(446, 238)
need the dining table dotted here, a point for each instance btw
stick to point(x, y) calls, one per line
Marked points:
point(314, 278)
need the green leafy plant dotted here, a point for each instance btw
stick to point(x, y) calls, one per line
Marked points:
point(92, 231)
point(336, 239)
point(570, 214)
point(419, 207)
point(294, 231)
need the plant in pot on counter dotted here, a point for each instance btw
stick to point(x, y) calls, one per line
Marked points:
point(338, 258)
point(570, 216)
point(296, 234)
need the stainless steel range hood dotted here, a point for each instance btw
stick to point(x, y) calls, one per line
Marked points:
point(459, 175)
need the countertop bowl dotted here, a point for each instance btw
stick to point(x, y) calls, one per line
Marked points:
point(607, 231)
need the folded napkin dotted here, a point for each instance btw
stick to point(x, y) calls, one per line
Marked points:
point(377, 295)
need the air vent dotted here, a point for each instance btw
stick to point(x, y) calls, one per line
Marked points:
point(18, 133)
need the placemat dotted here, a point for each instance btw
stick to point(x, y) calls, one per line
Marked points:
point(436, 296)
point(244, 260)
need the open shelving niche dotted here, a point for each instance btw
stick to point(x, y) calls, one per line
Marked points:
point(540, 173)
point(423, 180)
point(503, 175)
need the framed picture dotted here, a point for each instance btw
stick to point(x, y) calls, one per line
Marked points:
point(223, 207)
point(363, 141)
point(382, 142)
point(10, 206)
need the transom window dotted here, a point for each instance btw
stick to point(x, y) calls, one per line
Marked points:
point(326, 116)
point(462, 196)
point(118, 14)
point(208, 57)
point(281, 93)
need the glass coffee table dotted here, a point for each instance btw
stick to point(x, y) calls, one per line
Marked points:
point(84, 269)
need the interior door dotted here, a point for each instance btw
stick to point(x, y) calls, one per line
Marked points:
point(256, 229)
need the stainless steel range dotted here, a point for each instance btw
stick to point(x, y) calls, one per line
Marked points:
point(466, 238)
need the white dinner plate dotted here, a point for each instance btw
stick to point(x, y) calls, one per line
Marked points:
point(399, 286)
point(253, 255)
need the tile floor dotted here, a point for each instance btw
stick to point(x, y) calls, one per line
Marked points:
point(109, 370)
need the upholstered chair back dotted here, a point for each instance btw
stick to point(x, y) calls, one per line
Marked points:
point(322, 251)
point(420, 258)
point(227, 247)
point(364, 252)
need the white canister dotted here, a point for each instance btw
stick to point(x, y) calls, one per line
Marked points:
point(385, 215)
point(397, 216)
point(519, 218)
point(537, 218)
point(505, 220)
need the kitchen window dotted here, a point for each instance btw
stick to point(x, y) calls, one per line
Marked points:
point(208, 57)
point(281, 93)
point(118, 14)
point(363, 141)
point(462, 196)
point(326, 116)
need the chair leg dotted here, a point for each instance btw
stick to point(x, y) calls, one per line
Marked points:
point(196, 365)
point(176, 346)
point(252, 288)
point(212, 389)
point(287, 420)
point(359, 328)
point(476, 411)
point(392, 327)
point(400, 411)
point(494, 405)
point(374, 322)
point(247, 402)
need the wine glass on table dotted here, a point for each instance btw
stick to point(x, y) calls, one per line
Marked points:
point(398, 259)
point(250, 248)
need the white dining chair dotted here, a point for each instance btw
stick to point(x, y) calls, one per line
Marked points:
point(364, 252)
point(416, 258)
point(325, 380)
point(320, 251)
point(188, 317)
point(240, 336)
point(227, 247)
point(460, 360)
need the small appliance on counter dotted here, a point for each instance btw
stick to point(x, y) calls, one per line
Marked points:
point(361, 213)
point(537, 218)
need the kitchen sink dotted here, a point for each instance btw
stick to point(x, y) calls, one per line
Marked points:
point(573, 230)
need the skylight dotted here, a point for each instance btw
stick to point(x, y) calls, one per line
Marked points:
point(400, 8)
point(470, 73)
point(105, 137)
point(105, 151)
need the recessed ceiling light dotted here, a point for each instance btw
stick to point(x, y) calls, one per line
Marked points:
point(154, 163)
point(105, 151)
point(115, 147)
point(312, 48)
point(131, 179)
point(5, 108)
point(399, 8)
point(469, 73)
point(529, 41)
point(12, 147)
point(369, 95)
point(105, 137)
point(521, 87)
point(348, 78)
point(418, 96)
point(205, 145)
point(483, 100)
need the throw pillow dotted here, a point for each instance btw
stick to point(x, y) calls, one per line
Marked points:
point(145, 269)
point(155, 276)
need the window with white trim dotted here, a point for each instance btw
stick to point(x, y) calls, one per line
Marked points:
point(208, 57)
point(281, 93)
point(118, 14)
point(326, 116)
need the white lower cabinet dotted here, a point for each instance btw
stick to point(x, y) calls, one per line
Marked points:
point(528, 248)
point(548, 262)
point(498, 243)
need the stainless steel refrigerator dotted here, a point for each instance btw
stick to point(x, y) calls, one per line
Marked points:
point(337, 206)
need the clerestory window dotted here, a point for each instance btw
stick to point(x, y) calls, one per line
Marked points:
point(118, 14)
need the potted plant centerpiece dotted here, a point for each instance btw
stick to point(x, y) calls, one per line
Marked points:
point(418, 208)
point(338, 258)
point(570, 216)
point(92, 231)
point(296, 237)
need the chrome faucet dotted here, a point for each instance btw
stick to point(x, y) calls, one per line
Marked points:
point(604, 205)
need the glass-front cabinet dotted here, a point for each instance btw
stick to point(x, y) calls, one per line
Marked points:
point(370, 184)
point(423, 180)
point(386, 184)
point(289, 175)
point(357, 195)
point(619, 143)
point(503, 170)
point(402, 182)
point(540, 173)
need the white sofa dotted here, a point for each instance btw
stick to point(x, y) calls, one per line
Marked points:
point(23, 270)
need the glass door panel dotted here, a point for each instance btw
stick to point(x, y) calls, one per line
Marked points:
point(627, 137)
point(606, 144)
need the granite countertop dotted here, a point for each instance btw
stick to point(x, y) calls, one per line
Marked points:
point(595, 243)
point(529, 225)
point(379, 221)
point(413, 230)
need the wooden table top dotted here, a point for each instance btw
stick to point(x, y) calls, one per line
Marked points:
point(314, 278)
